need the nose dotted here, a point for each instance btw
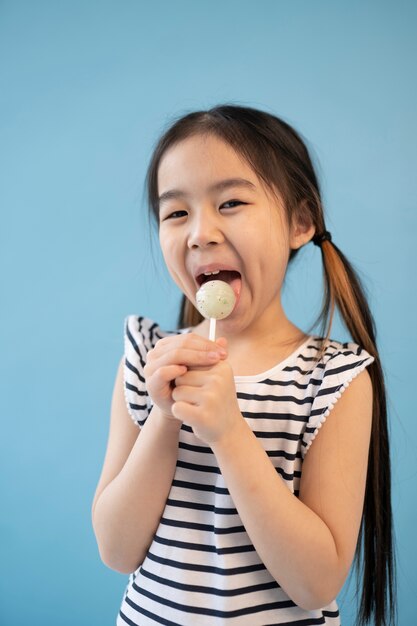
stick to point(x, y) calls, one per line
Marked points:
point(204, 231)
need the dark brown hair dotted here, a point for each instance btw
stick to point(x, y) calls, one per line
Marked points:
point(280, 158)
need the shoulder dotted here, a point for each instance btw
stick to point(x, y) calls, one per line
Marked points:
point(142, 333)
point(336, 356)
point(319, 359)
point(340, 364)
point(344, 361)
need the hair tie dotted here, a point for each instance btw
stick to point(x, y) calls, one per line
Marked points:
point(318, 239)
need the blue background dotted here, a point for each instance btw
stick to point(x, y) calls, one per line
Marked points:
point(86, 87)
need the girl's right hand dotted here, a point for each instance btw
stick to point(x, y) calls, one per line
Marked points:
point(171, 357)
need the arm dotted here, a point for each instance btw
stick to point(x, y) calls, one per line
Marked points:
point(307, 543)
point(139, 468)
point(134, 484)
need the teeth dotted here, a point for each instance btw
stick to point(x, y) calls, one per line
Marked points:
point(210, 273)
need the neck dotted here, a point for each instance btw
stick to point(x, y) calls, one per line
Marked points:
point(273, 328)
point(268, 341)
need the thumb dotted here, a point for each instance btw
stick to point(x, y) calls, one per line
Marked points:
point(222, 341)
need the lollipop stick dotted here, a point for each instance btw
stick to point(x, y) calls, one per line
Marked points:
point(212, 330)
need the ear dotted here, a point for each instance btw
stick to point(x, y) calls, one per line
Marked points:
point(302, 228)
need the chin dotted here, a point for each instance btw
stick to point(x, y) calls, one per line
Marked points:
point(229, 326)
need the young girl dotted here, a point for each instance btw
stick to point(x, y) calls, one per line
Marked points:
point(241, 472)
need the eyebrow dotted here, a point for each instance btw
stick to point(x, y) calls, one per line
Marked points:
point(221, 185)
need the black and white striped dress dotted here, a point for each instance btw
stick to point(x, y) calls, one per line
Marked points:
point(201, 568)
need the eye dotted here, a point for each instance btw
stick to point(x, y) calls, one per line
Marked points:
point(175, 215)
point(232, 202)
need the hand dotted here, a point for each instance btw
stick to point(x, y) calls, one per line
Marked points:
point(206, 400)
point(171, 357)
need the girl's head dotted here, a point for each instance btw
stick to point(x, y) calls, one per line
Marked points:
point(216, 213)
point(252, 144)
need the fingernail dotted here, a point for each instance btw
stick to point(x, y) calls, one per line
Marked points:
point(222, 352)
point(213, 355)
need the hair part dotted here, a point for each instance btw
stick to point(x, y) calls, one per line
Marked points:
point(279, 156)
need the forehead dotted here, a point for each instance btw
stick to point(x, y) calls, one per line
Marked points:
point(199, 158)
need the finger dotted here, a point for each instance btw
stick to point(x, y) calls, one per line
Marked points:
point(193, 378)
point(185, 412)
point(184, 356)
point(187, 340)
point(222, 342)
point(190, 395)
point(168, 373)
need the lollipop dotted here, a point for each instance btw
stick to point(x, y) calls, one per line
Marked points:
point(215, 301)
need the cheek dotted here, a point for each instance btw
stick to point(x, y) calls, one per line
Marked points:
point(174, 258)
point(167, 256)
point(168, 248)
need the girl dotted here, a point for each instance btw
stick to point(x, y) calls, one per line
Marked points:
point(240, 473)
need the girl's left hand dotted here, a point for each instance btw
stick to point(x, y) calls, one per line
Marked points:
point(205, 399)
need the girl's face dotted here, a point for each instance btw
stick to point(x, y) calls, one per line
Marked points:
point(210, 221)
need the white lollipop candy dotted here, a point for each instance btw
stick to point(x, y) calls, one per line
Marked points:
point(215, 301)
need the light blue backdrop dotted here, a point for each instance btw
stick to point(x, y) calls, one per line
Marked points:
point(85, 89)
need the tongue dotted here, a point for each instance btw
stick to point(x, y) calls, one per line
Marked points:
point(233, 278)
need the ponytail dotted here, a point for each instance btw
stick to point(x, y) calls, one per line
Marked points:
point(343, 288)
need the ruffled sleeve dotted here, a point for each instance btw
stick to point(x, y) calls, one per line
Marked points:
point(138, 340)
point(343, 365)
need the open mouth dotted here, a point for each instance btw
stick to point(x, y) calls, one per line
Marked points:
point(232, 277)
point(228, 276)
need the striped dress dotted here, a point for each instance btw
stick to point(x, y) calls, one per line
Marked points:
point(201, 568)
